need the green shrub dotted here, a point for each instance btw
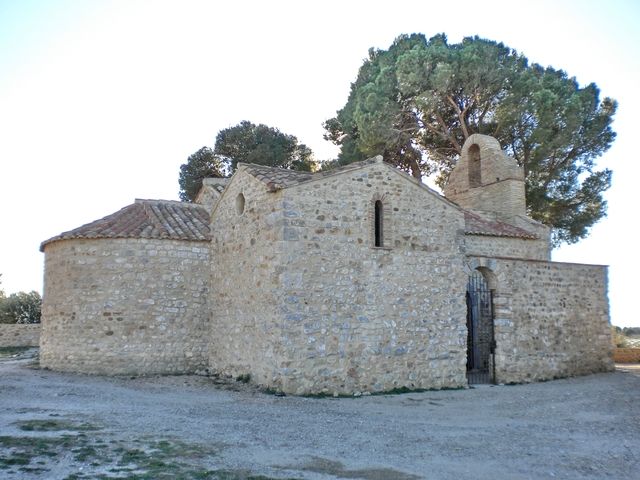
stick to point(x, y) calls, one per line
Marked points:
point(20, 307)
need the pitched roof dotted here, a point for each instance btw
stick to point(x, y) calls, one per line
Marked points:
point(278, 178)
point(476, 225)
point(161, 219)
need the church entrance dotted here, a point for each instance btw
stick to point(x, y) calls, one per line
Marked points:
point(480, 340)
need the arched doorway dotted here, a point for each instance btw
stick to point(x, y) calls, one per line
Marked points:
point(480, 338)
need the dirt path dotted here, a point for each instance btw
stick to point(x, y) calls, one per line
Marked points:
point(65, 426)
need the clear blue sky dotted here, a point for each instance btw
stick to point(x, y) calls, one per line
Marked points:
point(102, 101)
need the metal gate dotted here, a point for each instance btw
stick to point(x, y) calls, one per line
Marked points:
point(480, 340)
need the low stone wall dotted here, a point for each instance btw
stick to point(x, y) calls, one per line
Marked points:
point(552, 320)
point(19, 335)
point(626, 355)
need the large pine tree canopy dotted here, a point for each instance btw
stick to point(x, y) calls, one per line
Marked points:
point(417, 102)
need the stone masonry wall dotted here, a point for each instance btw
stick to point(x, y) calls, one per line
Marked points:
point(246, 293)
point(503, 196)
point(360, 318)
point(552, 320)
point(125, 306)
point(522, 248)
point(19, 335)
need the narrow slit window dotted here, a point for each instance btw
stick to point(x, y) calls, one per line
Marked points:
point(378, 240)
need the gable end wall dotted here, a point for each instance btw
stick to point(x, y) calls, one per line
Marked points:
point(245, 278)
point(359, 318)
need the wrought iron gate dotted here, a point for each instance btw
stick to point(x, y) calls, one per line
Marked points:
point(480, 340)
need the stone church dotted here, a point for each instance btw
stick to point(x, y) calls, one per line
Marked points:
point(358, 279)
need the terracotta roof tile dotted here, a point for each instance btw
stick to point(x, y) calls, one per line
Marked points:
point(476, 225)
point(146, 219)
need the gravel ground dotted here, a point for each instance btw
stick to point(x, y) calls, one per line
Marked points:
point(79, 426)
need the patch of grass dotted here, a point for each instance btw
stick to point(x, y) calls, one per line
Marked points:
point(19, 458)
point(165, 459)
point(393, 391)
point(36, 470)
point(84, 453)
point(54, 426)
point(244, 378)
point(402, 390)
point(142, 459)
point(6, 352)
point(272, 391)
point(237, 475)
point(181, 449)
point(23, 450)
point(337, 469)
point(134, 455)
point(326, 395)
point(188, 474)
point(36, 443)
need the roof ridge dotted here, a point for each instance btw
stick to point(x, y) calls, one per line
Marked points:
point(350, 166)
point(271, 167)
point(168, 202)
point(341, 168)
point(277, 178)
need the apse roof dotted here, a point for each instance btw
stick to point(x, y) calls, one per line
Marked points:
point(158, 219)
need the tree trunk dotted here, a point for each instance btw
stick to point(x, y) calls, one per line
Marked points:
point(415, 169)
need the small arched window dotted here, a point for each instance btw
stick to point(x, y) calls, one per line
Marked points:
point(475, 179)
point(377, 213)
